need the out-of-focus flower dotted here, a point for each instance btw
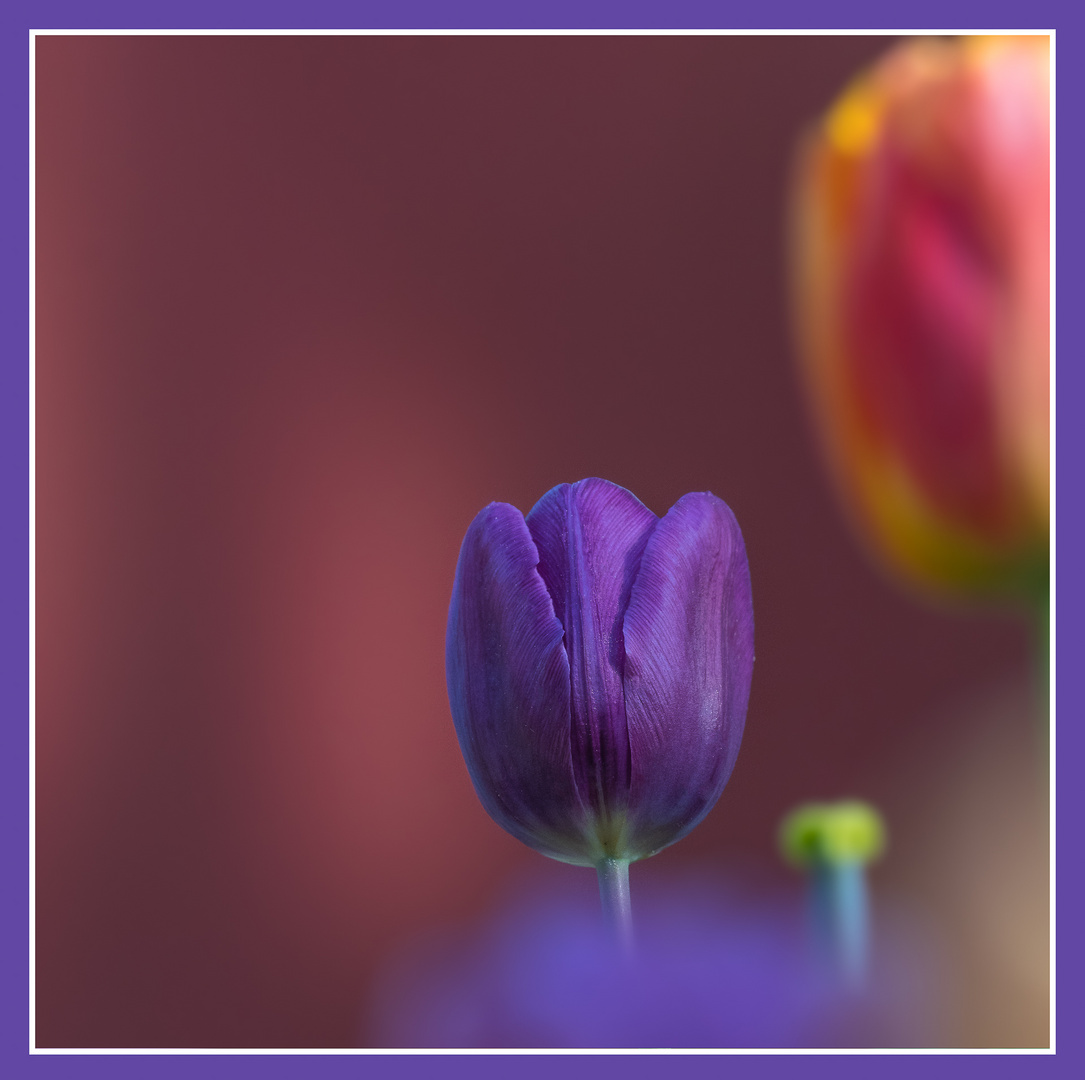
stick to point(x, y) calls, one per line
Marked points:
point(834, 842)
point(843, 832)
point(717, 965)
point(920, 257)
point(599, 662)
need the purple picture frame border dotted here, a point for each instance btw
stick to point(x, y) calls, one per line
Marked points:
point(20, 18)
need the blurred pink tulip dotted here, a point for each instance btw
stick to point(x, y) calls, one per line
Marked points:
point(920, 260)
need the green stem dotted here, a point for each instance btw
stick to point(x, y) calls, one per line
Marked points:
point(1041, 600)
point(614, 892)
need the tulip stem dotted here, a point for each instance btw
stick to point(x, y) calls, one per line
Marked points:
point(841, 916)
point(1043, 651)
point(614, 892)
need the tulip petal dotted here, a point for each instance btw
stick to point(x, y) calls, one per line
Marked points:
point(923, 304)
point(508, 682)
point(688, 663)
point(590, 536)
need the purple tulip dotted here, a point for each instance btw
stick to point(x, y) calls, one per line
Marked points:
point(599, 662)
point(720, 963)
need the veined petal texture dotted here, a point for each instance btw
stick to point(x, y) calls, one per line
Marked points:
point(599, 662)
point(508, 682)
point(590, 536)
point(688, 664)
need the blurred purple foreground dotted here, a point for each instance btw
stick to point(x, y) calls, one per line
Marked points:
point(715, 967)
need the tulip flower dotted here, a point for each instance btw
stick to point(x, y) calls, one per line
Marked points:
point(719, 964)
point(599, 662)
point(920, 248)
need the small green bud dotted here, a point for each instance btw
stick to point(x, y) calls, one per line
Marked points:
point(832, 833)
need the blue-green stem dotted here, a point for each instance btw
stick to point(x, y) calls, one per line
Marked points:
point(834, 842)
point(614, 892)
point(841, 913)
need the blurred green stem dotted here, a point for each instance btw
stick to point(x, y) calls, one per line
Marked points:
point(1042, 624)
point(842, 917)
point(1043, 641)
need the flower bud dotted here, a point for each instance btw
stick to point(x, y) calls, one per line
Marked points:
point(834, 842)
point(831, 834)
point(599, 662)
point(920, 258)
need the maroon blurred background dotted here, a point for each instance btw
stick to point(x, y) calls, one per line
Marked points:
point(305, 305)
